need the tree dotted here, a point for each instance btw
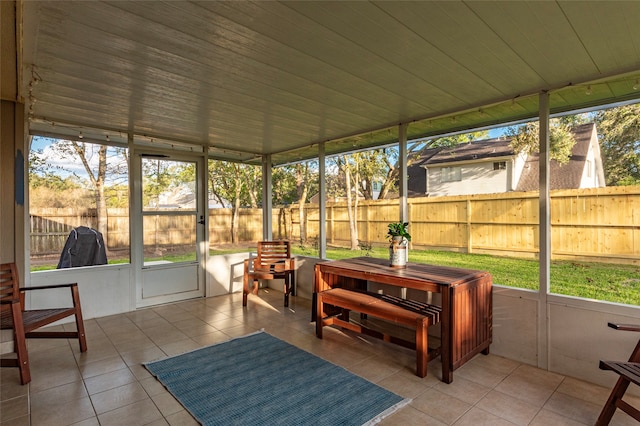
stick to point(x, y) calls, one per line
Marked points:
point(361, 171)
point(100, 163)
point(237, 184)
point(619, 134)
point(304, 181)
point(349, 169)
point(525, 138)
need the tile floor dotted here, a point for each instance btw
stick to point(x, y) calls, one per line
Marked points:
point(108, 385)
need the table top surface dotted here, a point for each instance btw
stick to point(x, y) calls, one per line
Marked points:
point(375, 269)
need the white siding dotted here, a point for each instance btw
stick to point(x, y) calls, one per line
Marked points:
point(592, 175)
point(477, 178)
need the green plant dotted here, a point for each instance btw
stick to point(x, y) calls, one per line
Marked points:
point(399, 229)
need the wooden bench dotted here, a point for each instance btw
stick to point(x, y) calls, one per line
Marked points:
point(629, 372)
point(409, 313)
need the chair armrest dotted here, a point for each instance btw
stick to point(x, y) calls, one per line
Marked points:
point(290, 264)
point(624, 327)
point(44, 287)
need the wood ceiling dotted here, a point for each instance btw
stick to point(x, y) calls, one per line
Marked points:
point(243, 79)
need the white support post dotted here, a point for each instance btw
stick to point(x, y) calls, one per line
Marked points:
point(402, 172)
point(544, 234)
point(403, 181)
point(267, 199)
point(322, 204)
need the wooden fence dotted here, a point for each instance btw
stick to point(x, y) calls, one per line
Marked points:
point(601, 224)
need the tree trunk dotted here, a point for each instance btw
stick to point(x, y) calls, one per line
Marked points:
point(101, 199)
point(235, 214)
point(302, 190)
point(353, 226)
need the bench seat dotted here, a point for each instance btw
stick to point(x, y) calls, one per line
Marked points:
point(409, 313)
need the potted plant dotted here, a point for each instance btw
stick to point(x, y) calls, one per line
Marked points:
point(399, 238)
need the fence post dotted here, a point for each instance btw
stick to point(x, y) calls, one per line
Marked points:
point(469, 237)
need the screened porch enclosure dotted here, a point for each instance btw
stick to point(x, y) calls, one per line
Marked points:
point(280, 82)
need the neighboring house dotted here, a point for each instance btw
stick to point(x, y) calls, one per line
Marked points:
point(491, 166)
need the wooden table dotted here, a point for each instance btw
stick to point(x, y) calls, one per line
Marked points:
point(466, 295)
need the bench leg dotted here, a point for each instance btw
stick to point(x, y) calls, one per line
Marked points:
point(319, 315)
point(422, 347)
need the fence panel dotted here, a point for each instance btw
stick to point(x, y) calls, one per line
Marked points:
point(601, 224)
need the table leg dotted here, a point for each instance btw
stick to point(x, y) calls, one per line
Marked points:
point(446, 335)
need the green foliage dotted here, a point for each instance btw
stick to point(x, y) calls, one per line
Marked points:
point(453, 140)
point(117, 196)
point(619, 134)
point(525, 139)
point(234, 183)
point(289, 182)
point(399, 229)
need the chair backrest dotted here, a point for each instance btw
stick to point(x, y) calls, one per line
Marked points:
point(272, 253)
point(9, 281)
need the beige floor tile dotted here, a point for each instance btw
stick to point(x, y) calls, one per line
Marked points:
point(441, 406)
point(463, 389)
point(113, 399)
point(136, 414)
point(486, 370)
point(64, 414)
point(67, 384)
point(152, 386)
point(93, 421)
point(573, 408)
point(167, 404)
point(508, 407)
point(50, 398)
point(103, 366)
point(407, 385)
point(586, 391)
point(13, 408)
point(107, 381)
point(10, 386)
point(211, 338)
point(478, 417)
point(409, 416)
point(142, 355)
point(530, 385)
point(179, 347)
point(181, 418)
point(547, 418)
point(18, 421)
point(136, 340)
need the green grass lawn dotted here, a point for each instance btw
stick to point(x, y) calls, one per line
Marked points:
point(600, 281)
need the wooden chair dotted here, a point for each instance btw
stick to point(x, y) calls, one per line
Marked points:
point(24, 322)
point(273, 261)
point(629, 372)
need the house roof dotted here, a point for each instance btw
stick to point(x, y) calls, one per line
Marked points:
point(239, 80)
point(487, 148)
point(561, 176)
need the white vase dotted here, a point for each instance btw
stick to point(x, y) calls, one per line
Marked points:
point(398, 252)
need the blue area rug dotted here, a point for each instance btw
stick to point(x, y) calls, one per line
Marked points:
point(260, 380)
